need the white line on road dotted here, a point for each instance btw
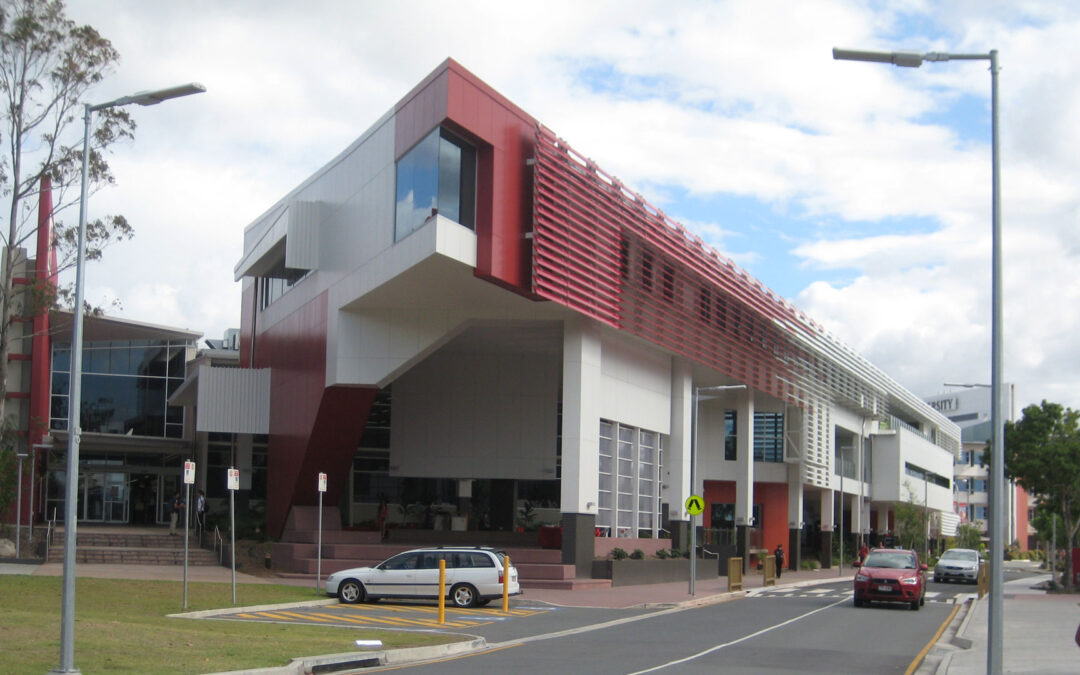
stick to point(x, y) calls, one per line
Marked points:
point(710, 650)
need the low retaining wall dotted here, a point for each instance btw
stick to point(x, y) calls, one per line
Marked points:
point(650, 571)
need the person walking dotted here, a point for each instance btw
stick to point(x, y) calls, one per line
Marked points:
point(175, 508)
point(779, 554)
point(200, 512)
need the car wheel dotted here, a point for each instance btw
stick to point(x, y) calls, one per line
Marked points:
point(937, 580)
point(351, 591)
point(922, 600)
point(463, 595)
point(915, 605)
point(858, 602)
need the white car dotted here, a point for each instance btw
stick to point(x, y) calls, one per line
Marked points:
point(474, 576)
point(958, 563)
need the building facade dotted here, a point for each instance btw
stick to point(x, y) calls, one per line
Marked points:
point(969, 407)
point(463, 317)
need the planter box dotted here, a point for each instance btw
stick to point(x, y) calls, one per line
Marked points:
point(650, 571)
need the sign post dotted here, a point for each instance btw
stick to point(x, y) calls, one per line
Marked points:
point(694, 507)
point(318, 547)
point(233, 485)
point(189, 478)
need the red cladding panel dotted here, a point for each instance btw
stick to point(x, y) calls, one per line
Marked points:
point(312, 428)
point(503, 135)
point(605, 252)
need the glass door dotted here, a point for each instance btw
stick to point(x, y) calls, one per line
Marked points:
point(115, 497)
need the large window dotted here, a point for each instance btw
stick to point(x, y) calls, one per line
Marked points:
point(768, 436)
point(125, 387)
point(630, 464)
point(437, 176)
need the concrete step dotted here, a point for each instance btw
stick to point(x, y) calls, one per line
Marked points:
point(565, 584)
point(111, 555)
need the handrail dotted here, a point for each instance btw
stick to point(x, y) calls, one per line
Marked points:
point(706, 551)
point(49, 533)
point(219, 540)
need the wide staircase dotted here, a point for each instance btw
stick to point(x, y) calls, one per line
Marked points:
point(130, 546)
point(296, 553)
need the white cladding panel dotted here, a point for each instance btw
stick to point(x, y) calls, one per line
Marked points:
point(233, 400)
point(890, 480)
point(635, 386)
point(462, 415)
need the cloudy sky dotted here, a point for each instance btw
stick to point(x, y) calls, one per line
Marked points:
point(859, 191)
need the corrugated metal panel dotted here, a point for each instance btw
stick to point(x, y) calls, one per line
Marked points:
point(302, 240)
point(233, 400)
point(949, 524)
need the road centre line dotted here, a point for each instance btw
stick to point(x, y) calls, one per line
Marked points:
point(716, 648)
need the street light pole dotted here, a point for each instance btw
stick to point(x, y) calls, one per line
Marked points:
point(995, 630)
point(18, 505)
point(67, 623)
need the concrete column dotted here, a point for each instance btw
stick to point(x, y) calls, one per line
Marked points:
point(795, 515)
point(882, 520)
point(744, 474)
point(680, 534)
point(578, 543)
point(580, 443)
point(677, 452)
point(827, 524)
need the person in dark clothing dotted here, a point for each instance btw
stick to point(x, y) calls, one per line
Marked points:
point(779, 554)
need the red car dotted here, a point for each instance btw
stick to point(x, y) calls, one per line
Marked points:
point(891, 575)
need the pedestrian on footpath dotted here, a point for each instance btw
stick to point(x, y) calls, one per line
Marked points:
point(200, 512)
point(779, 553)
point(175, 508)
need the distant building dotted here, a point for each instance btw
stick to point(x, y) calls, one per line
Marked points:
point(969, 407)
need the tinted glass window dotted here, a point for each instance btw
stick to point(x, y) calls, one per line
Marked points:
point(438, 175)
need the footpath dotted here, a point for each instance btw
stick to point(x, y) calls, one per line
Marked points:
point(1038, 627)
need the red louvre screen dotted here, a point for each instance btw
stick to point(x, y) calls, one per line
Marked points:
point(605, 252)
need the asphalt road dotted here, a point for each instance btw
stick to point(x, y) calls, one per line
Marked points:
point(813, 630)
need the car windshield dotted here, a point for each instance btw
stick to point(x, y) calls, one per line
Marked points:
point(969, 556)
point(898, 560)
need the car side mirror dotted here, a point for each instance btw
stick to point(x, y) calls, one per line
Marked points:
point(924, 567)
point(856, 564)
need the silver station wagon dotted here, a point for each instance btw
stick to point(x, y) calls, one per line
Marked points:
point(474, 577)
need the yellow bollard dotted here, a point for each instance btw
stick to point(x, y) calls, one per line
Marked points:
point(442, 591)
point(506, 584)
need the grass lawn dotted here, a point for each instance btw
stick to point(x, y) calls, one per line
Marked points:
point(121, 627)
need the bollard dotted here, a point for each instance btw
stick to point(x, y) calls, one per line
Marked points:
point(442, 591)
point(734, 574)
point(506, 584)
point(769, 572)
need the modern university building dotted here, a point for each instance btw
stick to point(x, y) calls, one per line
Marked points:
point(465, 319)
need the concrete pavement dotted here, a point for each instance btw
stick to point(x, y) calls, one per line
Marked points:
point(1039, 627)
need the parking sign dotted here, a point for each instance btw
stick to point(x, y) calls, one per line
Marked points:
point(322, 482)
point(234, 479)
point(189, 472)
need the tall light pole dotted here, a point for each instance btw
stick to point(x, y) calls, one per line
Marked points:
point(995, 632)
point(18, 504)
point(693, 469)
point(67, 624)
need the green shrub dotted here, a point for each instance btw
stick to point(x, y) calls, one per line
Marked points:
point(810, 565)
point(638, 554)
point(663, 554)
point(618, 554)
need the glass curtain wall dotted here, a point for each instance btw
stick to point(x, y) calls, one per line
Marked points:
point(629, 480)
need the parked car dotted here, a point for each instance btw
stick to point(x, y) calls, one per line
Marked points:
point(961, 564)
point(474, 576)
point(891, 575)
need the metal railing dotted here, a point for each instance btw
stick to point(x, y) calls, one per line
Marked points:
point(219, 545)
point(49, 533)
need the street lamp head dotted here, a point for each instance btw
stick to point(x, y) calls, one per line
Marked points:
point(153, 97)
point(900, 59)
